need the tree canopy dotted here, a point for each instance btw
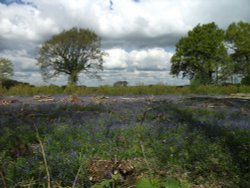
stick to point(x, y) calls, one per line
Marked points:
point(238, 40)
point(6, 69)
point(71, 52)
point(202, 55)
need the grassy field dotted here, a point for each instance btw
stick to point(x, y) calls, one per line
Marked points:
point(126, 142)
point(131, 90)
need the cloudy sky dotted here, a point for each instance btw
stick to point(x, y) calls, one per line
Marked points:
point(139, 35)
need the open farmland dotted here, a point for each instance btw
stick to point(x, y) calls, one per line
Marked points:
point(125, 141)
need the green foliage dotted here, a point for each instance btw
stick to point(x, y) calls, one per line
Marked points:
point(238, 39)
point(174, 183)
point(246, 80)
point(71, 52)
point(6, 69)
point(164, 183)
point(202, 55)
point(103, 184)
point(147, 183)
point(8, 83)
point(3, 90)
point(195, 84)
point(28, 90)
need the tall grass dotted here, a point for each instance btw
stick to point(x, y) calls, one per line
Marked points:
point(131, 90)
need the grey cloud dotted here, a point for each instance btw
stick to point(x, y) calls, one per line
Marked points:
point(223, 12)
point(129, 26)
point(19, 44)
point(30, 77)
point(22, 60)
point(140, 42)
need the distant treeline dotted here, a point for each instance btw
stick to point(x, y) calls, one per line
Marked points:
point(8, 83)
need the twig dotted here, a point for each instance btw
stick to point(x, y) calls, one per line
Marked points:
point(3, 178)
point(77, 175)
point(146, 161)
point(131, 186)
point(144, 156)
point(44, 158)
point(144, 115)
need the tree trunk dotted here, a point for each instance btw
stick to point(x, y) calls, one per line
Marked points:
point(73, 78)
point(210, 77)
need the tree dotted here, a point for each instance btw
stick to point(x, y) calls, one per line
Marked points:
point(6, 69)
point(71, 52)
point(202, 55)
point(238, 40)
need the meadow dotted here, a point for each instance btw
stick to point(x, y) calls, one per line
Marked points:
point(26, 90)
point(140, 136)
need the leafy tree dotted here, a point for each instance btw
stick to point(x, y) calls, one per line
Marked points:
point(71, 52)
point(6, 69)
point(202, 56)
point(238, 40)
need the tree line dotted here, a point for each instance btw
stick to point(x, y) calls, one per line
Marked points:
point(210, 55)
point(207, 55)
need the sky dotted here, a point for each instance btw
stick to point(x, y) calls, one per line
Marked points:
point(138, 35)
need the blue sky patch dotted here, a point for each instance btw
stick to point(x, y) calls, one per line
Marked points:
point(8, 2)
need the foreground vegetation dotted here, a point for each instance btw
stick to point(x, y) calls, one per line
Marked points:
point(160, 145)
point(26, 90)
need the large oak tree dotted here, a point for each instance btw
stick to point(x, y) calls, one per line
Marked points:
point(71, 52)
point(202, 55)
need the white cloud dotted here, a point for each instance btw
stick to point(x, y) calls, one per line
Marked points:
point(116, 59)
point(134, 34)
point(23, 22)
point(134, 78)
point(149, 18)
point(156, 59)
point(150, 59)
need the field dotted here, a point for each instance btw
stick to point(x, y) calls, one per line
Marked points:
point(132, 140)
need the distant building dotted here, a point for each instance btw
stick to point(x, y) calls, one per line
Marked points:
point(121, 84)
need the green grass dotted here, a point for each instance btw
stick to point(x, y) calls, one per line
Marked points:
point(185, 154)
point(204, 162)
point(131, 90)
